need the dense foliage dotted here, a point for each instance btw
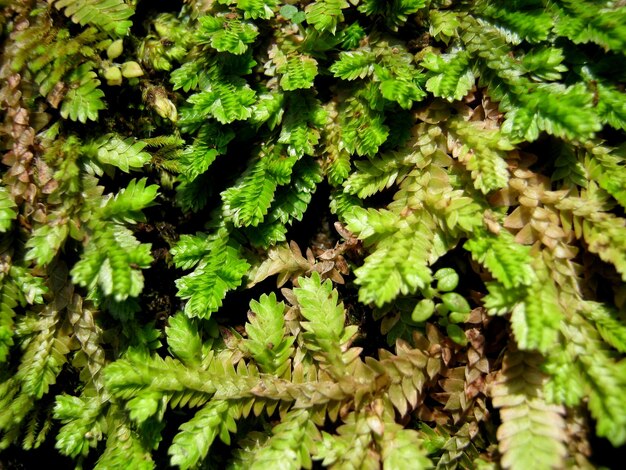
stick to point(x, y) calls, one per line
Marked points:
point(263, 234)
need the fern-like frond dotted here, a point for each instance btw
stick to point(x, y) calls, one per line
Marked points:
point(325, 15)
point(9, 298)
point(226, 34)
point(125, 446)
point(183, 339)
point(191, 444)
point(111, 262)
point(452, 76)
point(249, 200)
point(297, 71)
point(210, 142)
point(300, 130)
point(291, 444)
point(609, 323)
point(354, 64)
point(395, 13)
point(399, 262)
point(509, 262)
point(219, 271)
point(325, 335)
point(290, 203)
point(536, 320)
point(263, 9)
point(225, 100)
point(377, 174)
point(46, 353)
point(7, 210)
point(127, 204)
point(266, 341)
point(362, 129)
point(81, 429)
point(111, 149)
point(531, 434)
point(83, 100)
point(483, 151)
point(111, 16)
point(606, 166)
point(46, 241)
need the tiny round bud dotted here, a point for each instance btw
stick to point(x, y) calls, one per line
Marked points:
point(113, 76)
point(115, 49)
point(131, 69)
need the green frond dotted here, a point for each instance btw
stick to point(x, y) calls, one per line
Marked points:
point(536, 320)
point(45, 355)
point(611, 105)
point(297, 72)
point(46, 241)
point(183, 339)
point(403, 92)
point(9, 298)
point(111, 16)
point(221, 270)
point(249, 200)
point(354, 64)
point(565, 112)
point(569, 168)
point(444, 25)
point(377, 173)
point(606, 166)
point(303, 118)
point(125, 446)
point(225, 100)
point(291, 444)
point(531, 434)
point(395, 13)
point(483, 151)
point(508, 261)
point(351, 446)
point(371, 225)
point(210, 142)
point(601, 376)
point(402, 449)
point(588, 21)
point(399, 262)
point(127, 204)
point(81, 428)
point(452, 78)
point(325, 15)
point(544, 63)
point(7, 210)
point(226, 34)
point(609, 323)
point(289, 205)
point(362, 129)
point(325, 335)
point(124, 153)
point(188, 76)
point(531, 22)
point(268, 109)
point(190, 249)
point(83, 100)
point(266, 341)
point(191, 444)
point(263, 9)
point(112, 261)
point(31, 288)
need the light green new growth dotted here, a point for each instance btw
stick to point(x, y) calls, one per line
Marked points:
point(327, 233)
